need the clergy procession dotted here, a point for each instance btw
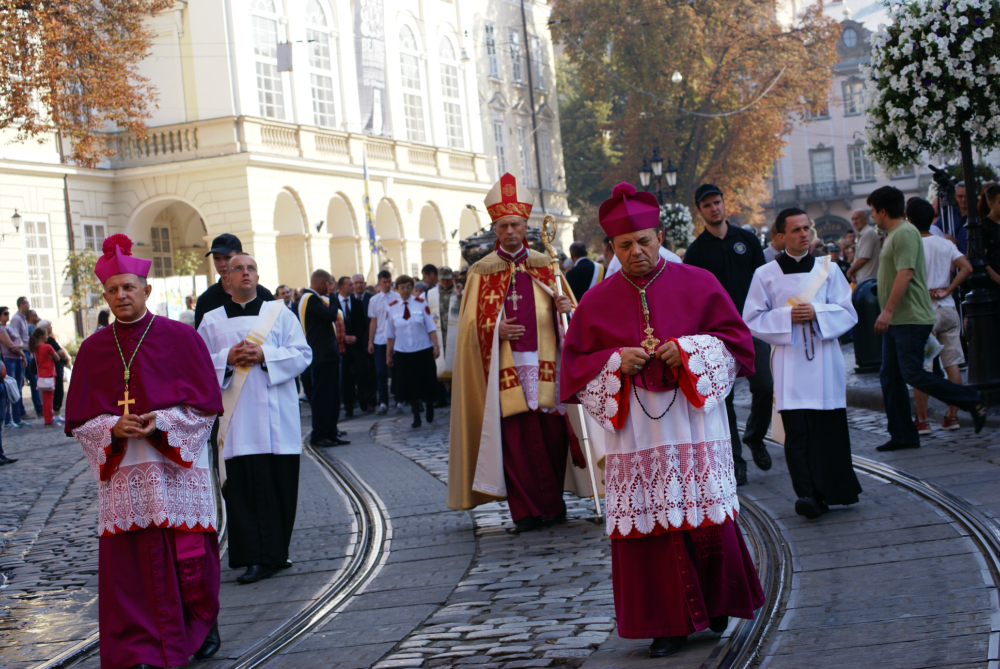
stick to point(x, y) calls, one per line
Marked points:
point(619, 393)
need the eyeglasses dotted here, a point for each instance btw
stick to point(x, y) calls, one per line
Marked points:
point(239, 269)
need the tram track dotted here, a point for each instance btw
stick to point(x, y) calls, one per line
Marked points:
point(362, 563)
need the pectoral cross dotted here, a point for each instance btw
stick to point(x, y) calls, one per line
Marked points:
point(650, 342)
point(125, 402)
point(514, 297)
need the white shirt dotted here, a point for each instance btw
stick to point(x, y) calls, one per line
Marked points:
point(411, 334)
point(377, 309)
point(615, 265)
point(266, 418)
point(800, 382)
point(939, 255)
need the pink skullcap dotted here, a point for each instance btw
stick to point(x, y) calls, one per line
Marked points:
point(118, 259)
point(628, 211)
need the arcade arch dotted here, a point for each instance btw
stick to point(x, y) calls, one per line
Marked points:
point(290, 245)
point(345, 243)
point(388, 229)
point(432, 250)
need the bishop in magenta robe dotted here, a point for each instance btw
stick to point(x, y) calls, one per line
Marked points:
point(142, 403)
point(651, 353)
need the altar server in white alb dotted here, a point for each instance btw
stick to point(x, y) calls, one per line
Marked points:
point(258, 349)
point(800, 305)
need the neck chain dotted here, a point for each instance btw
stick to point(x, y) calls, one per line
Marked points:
point(128, 365)
point(650, 342)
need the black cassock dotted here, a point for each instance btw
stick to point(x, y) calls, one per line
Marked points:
point(817, 442)
point(261, 495)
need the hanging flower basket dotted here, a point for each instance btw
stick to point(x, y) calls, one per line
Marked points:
point(677, 225)
point(933, 72)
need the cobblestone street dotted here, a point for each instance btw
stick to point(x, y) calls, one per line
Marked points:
point(456, 589)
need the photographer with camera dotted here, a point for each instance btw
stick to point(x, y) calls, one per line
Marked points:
point(951, 220)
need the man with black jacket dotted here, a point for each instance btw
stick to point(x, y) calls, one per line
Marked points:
point(732, 254)
point(319, 317)
point(224, 247)
point(364, 364)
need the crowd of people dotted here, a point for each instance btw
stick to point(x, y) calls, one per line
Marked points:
point(654, 343)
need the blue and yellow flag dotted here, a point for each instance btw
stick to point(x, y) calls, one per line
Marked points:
point(369, 222)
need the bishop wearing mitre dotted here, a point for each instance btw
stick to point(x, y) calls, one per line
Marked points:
point(509, 433)
point(142, 403)
point(651, 353)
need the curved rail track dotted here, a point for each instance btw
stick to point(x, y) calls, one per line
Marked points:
point(362, 563)
point(740, 650)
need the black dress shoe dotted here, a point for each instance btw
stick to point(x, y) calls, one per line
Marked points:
point(430, 412)
point(558, 520)
point(978, 418)
point(665, 645)
point(416, 420)
point(4, 460)
point(823, 506)
point(254, 573)
point(340, 442)
point(526, 525)
point(761, 457)
point(740, 473)
point(808, 507)
point(341, 433)
point(285, 565)
point(718, 624)
point(323, 442)
point(212, 644)
point(145, 666)
point(895, 446)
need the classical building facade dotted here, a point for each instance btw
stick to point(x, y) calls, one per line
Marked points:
point(267, 111)
point(824, 169)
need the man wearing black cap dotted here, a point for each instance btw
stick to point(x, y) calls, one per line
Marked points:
point(732, 254)
point(224, 247)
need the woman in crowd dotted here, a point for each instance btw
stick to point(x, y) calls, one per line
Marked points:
point(411, 348)
point(103, 318)
point(989, 211)
point(45, 359)
point(61, 364)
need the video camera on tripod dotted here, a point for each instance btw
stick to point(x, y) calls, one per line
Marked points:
point(945, 182)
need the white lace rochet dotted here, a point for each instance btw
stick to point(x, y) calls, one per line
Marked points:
point(676, 472)
point(154, 491)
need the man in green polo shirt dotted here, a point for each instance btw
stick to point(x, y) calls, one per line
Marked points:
point(905, 324)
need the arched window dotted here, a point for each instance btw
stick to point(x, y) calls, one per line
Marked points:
point(264, 20)
point(320, 66)
point(452, 96)
point(413, 97)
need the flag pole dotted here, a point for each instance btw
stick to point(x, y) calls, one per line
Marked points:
point(369, 221)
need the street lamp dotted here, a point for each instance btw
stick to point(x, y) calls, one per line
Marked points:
point(653, 167)
point(16, 220)
point(644, 173)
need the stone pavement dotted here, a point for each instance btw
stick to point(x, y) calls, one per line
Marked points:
point(456, 589)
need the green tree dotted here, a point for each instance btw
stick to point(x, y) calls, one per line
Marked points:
point(79, 271)
point(186, 263)
point(715, 84)
point(72, 67)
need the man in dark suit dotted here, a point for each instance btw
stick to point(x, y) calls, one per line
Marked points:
point(585, 272)
point(319, 321)
point(363, 363)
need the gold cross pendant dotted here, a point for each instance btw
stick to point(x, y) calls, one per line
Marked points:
point(125, 402)
point(514, 297)
point(650, 342)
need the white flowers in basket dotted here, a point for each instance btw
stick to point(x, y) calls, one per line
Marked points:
point(677, 225)
point(934, 72)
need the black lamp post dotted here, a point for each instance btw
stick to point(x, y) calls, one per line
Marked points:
point(16, 220)
point(653, 167)
point(980, 307)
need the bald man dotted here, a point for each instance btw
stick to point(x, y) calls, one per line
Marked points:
point(866, 249)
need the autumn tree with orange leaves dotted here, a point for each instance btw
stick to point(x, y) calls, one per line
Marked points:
point(744, 79)
point(72, 67)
